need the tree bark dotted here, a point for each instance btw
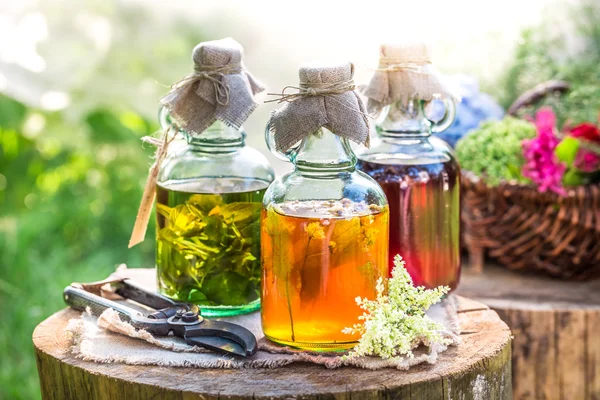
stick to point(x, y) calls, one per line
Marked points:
point(556, 345)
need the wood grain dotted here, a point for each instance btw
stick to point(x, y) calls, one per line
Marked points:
point(479, 368)
point(555, 323)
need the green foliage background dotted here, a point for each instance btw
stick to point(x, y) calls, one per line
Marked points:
point(565, 46)
point(65, 215)
point(71, 180)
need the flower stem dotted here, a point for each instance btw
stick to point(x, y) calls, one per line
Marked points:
point(289, 305)
point(305, 254)
point(287, 291)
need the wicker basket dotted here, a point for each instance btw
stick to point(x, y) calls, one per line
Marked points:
point(526, 230)
point(531, 231)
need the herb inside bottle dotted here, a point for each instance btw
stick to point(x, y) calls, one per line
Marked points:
point(318, 256)
point(208, 242)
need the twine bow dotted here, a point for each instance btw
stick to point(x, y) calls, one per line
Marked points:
point(327, 100)
point(215, 75)
point(143, 215)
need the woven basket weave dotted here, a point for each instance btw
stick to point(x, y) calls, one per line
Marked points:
point(526, 230)
point(531, 231)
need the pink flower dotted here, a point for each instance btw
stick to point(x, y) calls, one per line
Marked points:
point(541, 165)
point(586, 160)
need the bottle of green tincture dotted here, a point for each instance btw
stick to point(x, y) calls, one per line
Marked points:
point(210, 187)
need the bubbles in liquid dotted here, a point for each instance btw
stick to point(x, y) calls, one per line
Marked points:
point(344, 208)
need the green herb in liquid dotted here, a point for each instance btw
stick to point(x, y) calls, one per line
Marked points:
point(208, 245)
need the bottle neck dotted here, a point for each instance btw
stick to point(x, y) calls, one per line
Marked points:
point(324, 153)
point(404, 120)
point(217, 138)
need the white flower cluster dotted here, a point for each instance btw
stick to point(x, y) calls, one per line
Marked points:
point(395, 324)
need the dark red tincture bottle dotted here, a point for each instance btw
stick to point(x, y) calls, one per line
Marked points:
point(421, 179)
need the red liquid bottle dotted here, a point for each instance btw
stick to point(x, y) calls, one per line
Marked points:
point(421, 179)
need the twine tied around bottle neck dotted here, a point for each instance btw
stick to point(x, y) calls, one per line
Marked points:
point(325, 97)
point(214, 74)
point(405, 72)
point(391, 64)
point(312, 89)
point(143, 215)
point(220, 88)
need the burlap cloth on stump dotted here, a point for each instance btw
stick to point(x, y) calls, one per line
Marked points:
point(109, 340)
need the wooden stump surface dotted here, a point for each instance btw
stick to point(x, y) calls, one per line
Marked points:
point(479, 368)
point(556, 328)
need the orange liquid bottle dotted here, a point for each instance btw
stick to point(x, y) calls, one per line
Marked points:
point(317, 258)
point(324, 226)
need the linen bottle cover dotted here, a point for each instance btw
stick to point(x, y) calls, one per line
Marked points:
point(220, 88)
point(404, 72)
point(325, 98)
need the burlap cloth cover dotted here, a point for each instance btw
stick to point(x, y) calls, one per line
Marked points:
point(325, 97)
point(109, 340)
point(404, 72)
point(219, 89)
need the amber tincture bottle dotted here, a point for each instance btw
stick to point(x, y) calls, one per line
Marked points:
point(420, 177)
point(324, 230)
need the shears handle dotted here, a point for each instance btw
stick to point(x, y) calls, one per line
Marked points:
point(82, 300)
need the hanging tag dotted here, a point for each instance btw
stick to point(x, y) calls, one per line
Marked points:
point(143, 215)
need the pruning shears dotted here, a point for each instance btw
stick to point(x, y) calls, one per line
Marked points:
point(166, 316)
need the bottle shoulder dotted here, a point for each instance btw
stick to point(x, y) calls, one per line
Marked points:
point(185, 162)
point(355, 185)
point(407, 151)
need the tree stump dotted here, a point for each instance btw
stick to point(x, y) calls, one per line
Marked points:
point(479, 368)
point(556, 328)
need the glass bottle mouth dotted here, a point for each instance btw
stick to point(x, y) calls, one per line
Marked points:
point(404, 120)
point(217, 139)
point(415, 118)
point(325, 170)
point(214, 142)
point(408, 134)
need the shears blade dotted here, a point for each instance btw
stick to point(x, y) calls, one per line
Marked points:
point(217, 344)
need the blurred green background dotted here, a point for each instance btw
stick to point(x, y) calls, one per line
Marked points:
point(81, 82)
point(71, 177)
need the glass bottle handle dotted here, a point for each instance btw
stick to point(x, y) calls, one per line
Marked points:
point(448, 119)
point(288, 156)
point(163, 115)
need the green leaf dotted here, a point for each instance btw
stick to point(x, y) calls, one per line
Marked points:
point(226, 288)
point(208, 249)
point(573, 177)
point(566, 151)
point(197, 297)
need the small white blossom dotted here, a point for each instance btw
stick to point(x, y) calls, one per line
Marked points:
point(394, 324)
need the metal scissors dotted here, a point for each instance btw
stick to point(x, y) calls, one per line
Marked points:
point(181, 319)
